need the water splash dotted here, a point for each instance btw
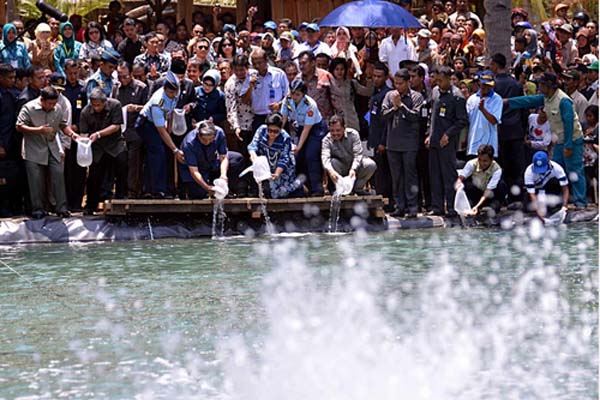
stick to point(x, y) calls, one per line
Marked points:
point(463, 338)
point(334, 212)
point(269, 227)
point(219, 217)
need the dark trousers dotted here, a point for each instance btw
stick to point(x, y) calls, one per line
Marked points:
point(172, 188)
point(423, 173)
point(9, 171)
point(442, 176)
point(383, 176)
point(257, 122)
point(155, 163)
point(474, 194)
point(511, 157)
point(308, 160)
point(36, 175)
point(75, 177)
point(552, 188)
point(135, 168)
point(405, 183)
point(194, 191)
point(98, 171)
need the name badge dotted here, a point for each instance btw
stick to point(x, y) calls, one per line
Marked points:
point(442, 111)
point(424, 112)
point(78, 104)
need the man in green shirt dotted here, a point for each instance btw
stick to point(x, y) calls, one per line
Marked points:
point(39, 121)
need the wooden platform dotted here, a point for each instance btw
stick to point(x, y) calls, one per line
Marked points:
point(249, 207)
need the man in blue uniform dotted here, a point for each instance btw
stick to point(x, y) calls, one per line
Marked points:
point(207, 158)
point(103, 77)
point(309, 133)
point(153, 126)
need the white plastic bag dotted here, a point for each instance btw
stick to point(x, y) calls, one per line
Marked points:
point(124, 124)
point(179, 124)
point(344, 185)
point(261, 169)
point(461, 202)
point(84, 152)
point(221, 188)
point(557, 218)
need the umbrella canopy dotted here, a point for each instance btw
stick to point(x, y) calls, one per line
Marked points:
point(371, 14)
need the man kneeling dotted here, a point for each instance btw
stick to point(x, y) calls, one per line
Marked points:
point(545, 181)
point(482, 177)
point(206, 159)
point(342, 155)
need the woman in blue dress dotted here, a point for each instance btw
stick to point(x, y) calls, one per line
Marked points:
point(12, 51)
point(271, 141)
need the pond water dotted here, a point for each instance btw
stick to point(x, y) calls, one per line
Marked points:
point(436, 314)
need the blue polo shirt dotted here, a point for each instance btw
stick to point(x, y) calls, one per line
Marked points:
point(205, 158)
point(481, 131)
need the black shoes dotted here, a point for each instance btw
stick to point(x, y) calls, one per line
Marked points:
point(63, 214)
point(38, 214)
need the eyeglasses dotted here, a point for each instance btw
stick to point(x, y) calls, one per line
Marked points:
point(94, 32)
point(273, 130)
point(203, 47)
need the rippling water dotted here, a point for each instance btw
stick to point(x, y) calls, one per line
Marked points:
point(417, 314)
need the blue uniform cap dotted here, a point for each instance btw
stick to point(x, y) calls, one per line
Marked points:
point(171, 81)
point(270, 25)
point(524, 25)
point(228, 28)
point(540, 162)
point(486, 78)
point(110, 55)
point(312, 27)
point(57, 80)
point(295, 33)
point(303, 25)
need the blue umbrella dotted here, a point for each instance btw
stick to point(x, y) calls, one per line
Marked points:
point(371, 14)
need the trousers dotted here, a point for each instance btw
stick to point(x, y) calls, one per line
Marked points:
point(98, 171)
point(236, 162)
point(405, 182)
point(155, 163)
point(442, 176)
point(366, 169)
point(574, 169)
point(308, 159)
point(36, 176)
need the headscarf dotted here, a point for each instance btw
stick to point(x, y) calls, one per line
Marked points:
point(68, 44)
point(42, 27)
point(348, 52)
point(8, 45)
point(532, 46)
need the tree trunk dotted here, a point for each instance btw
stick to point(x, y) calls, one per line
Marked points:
point(497, 27)
point(10, 11)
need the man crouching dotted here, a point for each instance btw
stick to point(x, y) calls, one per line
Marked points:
point(206, 159)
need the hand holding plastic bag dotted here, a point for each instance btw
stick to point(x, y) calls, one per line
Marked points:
point(84, 152)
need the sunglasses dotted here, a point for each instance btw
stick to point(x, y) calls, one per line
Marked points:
point(273, 130)
point(203, 47)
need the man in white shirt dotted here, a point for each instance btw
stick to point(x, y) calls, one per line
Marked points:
point(462, 8)
point(396, 48)
point(313, 43)
point(544, 177)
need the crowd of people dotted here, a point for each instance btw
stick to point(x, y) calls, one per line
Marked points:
point(411, 114)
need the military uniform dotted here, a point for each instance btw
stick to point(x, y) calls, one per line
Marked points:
point(75, 175)
point(309, 157)
point(8, 164)
point(156, 113)
point(98, 79)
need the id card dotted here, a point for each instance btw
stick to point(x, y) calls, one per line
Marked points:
point(424, 112)
point(442, 111)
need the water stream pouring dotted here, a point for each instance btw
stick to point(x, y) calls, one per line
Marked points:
point(84, 152)
point(218, 224)
point(343, 187)
point(260, 169)
point(124, 124)
point(461, 204)
point(179, 124)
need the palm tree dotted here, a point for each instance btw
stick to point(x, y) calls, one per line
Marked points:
point(28, 9)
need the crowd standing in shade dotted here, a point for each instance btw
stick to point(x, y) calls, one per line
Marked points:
point(410, 114)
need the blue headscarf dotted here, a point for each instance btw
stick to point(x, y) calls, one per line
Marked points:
point(7, 28)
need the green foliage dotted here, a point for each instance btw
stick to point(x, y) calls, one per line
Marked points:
point(27, 8)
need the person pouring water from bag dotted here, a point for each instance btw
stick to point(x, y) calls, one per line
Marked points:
point(206, 160)
point(154, 125)
point(342, 155)
point(546, 177)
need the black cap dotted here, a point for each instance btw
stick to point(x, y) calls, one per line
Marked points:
point(178, 66)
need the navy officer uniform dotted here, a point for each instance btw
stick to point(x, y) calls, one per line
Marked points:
point(157, 113)
point(207, 158)
point(101, 79)
point(306, 112)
